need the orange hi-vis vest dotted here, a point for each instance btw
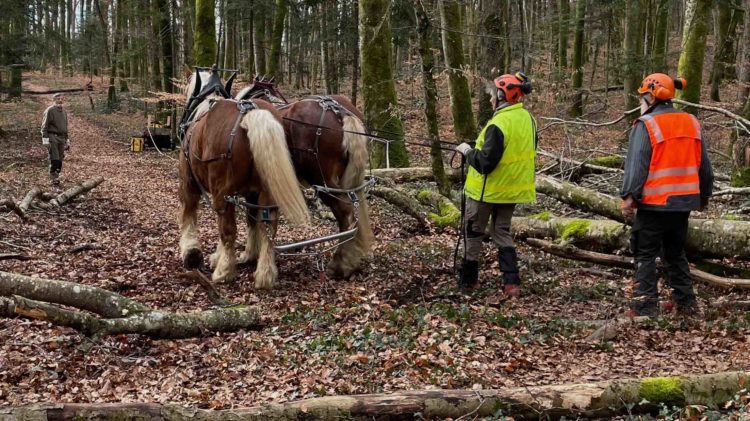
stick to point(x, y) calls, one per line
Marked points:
point(675, 157)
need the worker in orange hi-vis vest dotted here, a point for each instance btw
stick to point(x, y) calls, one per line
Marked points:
point(667, 175)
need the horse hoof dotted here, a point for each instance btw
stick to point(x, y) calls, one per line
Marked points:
point(193, 259)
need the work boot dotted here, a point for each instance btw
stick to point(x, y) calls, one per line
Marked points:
point(640, 307)
point(55, 178)
point(508, 261)
point(468, 275)
point(688, 309)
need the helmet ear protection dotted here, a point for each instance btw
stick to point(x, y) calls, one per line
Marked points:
point(524, 86)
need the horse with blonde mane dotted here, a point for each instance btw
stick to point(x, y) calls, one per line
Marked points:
point(234, 149)
point(325, 136)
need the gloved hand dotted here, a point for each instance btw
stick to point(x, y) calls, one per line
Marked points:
point(45, 141)
point(463, 148)
point(628, 207)
point(67, 144)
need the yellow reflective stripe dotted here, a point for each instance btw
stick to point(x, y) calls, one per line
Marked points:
point(672, 171)
point(670, 188)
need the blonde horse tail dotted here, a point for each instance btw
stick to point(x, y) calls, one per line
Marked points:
point(272, 161)
point(355, 147)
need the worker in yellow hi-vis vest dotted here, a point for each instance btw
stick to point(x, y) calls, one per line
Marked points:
point(501, 175)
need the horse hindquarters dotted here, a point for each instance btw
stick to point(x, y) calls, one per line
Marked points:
point(273, 164)
point(349, 255)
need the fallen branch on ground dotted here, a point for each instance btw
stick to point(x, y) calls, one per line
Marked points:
point(575, 253)
point(14, 256)
point(11, 205)
point(214, 294)
point(83, 247)
point(30, 196)
point(591, 400)
point(557, 121)
point(76, 190)
point(733, 191)
point(54, 91)
point(38, 298)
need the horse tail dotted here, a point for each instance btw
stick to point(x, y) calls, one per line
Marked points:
point(355, 147)
point(273, 163)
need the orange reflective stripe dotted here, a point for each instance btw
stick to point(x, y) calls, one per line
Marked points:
point(671, 172)
point(682, 188)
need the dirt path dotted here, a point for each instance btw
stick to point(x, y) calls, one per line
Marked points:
point(397, 325)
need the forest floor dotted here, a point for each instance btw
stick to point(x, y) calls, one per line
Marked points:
point(398, 324)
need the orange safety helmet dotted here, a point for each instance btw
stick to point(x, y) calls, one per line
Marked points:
point(661, 86)
point(514, 86)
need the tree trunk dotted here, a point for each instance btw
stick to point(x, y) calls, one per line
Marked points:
point(188, 29)
point(460, 95)
point(378, 87)
point(355, 55)
point(274, 67)
point(659, 55)
point(491, 50)
point(745, 58)
point(564, 24)
point(591, 400)
point(165, 34)
point(259, 40)
point(155, 46)
point(577, 109)
point(690, 67)
point(204, 51)
point(631, 56)
point(430, 97)
point(725, 32)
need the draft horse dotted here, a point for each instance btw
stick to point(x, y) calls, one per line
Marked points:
point(234, 149)
point(325, 136)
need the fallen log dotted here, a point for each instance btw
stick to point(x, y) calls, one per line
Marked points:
point(405, 175)
point(733, 191)
point(598, 233)
point(153, 323)
point(38, 298)
point(85, 297)
point(448, 214)
point(571, 252)
point(707, 237)
point(11, 205)
point(404, 202)
point(30, 196)
point(76, 190)
point(583, 400)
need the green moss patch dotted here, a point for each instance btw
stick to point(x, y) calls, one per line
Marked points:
point(741, 177)
point(543, 216)
point(611, 161)
point(574, 229)
point(662, 390)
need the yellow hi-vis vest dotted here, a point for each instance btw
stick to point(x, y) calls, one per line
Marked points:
point(513, 180)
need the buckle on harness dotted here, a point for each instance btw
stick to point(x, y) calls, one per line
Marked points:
point(265, 215)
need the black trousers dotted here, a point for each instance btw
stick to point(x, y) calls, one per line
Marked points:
point(652, 233)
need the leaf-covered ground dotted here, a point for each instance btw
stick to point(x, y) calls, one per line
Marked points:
point(398, 324)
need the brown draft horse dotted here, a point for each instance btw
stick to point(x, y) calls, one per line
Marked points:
point(231, 153)
point(335, 157)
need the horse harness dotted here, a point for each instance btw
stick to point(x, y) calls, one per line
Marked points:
point(244, 107)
